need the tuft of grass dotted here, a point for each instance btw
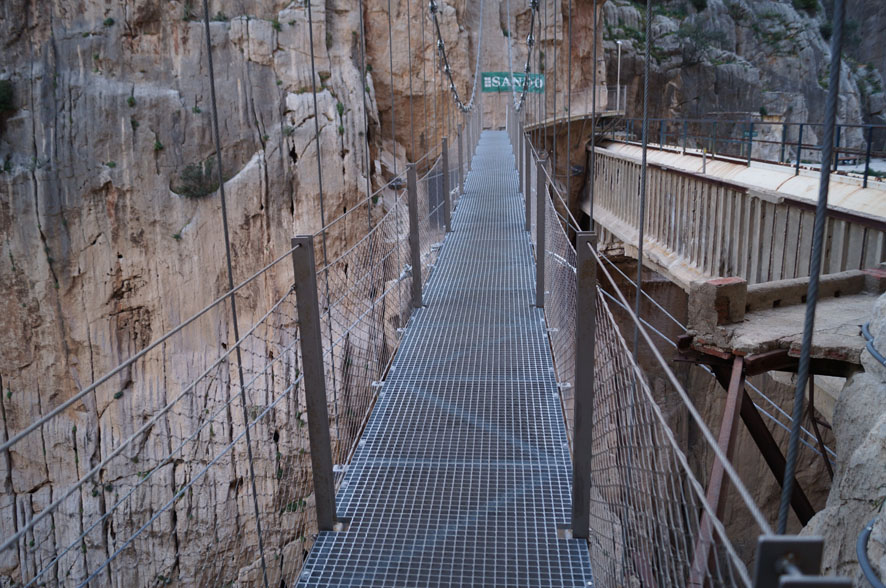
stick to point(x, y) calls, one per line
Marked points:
point(276, 25)
point(158, 146)
point(196, 110)
point(340, 108)
point(131, 101)
point(111, 164)
point(341, 130)
point(109, 22)
point(133, 123)
point(288, 130)
point(197, 180)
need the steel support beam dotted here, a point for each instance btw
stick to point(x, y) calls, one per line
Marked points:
point(447, 214)
point(717, 483)
point(414, 243)
point(585, 346)
point(527, 182)
point(540, 201)
point(305, 275)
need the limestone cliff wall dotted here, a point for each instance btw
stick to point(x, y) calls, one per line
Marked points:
point(111, 234)
point(736, 58)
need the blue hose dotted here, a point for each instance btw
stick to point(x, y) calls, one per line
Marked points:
point(861, 550)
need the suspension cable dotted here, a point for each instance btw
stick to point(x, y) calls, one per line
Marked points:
point(236, 328)
point(569, 103)
point(322, 208)
point(821, 213)
point(433, 9)
point(364, 83)
point(409, 70)
point(593, 170)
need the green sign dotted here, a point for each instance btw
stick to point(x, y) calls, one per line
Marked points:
point(502, 81)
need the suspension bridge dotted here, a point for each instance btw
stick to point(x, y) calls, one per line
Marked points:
point(450, 399)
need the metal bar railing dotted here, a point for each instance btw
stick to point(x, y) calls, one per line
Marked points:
point(756, 139)
point(636, 536)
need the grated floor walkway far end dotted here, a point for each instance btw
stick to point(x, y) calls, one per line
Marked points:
point(463, 474)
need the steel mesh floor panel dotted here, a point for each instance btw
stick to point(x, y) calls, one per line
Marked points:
point(463, 474)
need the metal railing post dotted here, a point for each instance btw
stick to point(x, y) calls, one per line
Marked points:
point(867, 157)
point(661, 134)
point(470, 145)
point(305, 274)
point(585, 337)
point(527, 182)
point(750, 141)
point(837, 149)
point(518, 156)
point(447, 213)
point(714, 144)
point(799, 150)
point(685, 132)
point(461, 164)
point(784, 140)
point(414, 243)
point(540, 201)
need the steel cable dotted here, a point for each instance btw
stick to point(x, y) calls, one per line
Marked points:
point(227, 240)
point(815, 264)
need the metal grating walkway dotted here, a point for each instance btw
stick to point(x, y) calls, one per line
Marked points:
point(463, 474)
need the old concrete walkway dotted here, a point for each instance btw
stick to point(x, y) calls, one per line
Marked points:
point(463, 474)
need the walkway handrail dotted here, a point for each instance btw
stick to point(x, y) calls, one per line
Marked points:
point(738, 137)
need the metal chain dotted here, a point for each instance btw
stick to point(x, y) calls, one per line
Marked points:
point(433, 9)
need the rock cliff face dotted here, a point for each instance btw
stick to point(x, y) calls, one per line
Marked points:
point(859, 487)
point(109, 212)
point(109, 217)
point(736, 58)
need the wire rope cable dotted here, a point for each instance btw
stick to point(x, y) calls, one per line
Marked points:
point(233, 300)
point(434, 10)
point(815, 264)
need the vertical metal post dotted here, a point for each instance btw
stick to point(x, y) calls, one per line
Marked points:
point(519, 158)
point(799, 149)
point(661, 134)
point(750, 141)
point(714, 145)
point(685, 133)
point(447, 216)
point(784, 140)
point(837, 149)
point(867, 157)
point(527, 183)
point(540, 201)
point(461, 164)
point(414, 243)
point(585, 338)
point(470, 145)
point(305, 274)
